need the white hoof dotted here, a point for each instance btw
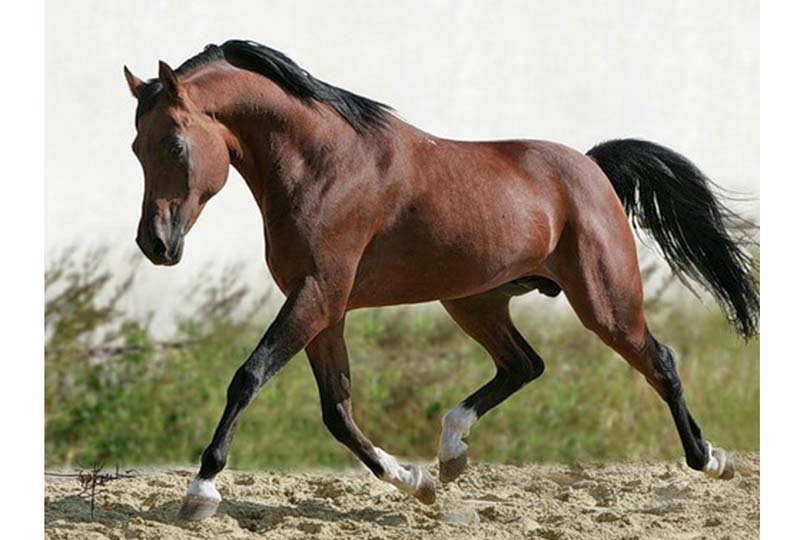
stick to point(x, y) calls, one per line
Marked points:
point(452, 468)
point(411, 479)
point(719, 464)
point(452, 448)
point(201, 501)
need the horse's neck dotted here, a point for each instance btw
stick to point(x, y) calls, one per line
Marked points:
point(277, 161)
point(276, 133)
point(284, 141)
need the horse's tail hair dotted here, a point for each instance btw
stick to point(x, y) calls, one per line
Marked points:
point(666, 194)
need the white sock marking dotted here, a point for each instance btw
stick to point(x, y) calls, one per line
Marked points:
point(455, 427)
point(715, 467)
point(405, 479)
point(204, 488)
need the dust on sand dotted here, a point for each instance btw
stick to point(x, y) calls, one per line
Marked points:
point(610, 501)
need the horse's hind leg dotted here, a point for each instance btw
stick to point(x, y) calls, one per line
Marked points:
point(606, 293)
point(486, 319)
point(699, 453)
point(328, 356)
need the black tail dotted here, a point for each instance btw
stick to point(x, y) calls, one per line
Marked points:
point(666, 194)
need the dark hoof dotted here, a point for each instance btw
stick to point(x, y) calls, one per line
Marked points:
point(426, 491)
point(196, 507)
point(450, 470)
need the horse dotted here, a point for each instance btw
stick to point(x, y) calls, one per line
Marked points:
point(361, 209)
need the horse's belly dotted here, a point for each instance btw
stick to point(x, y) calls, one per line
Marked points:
point(421, 260)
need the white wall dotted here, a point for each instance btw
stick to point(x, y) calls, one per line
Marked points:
point(683, 73)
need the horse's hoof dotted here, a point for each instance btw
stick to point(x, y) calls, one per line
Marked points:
point(729, 470)
point(450, 470)
point(197, 507)
point(426, 489)
point(720, 465)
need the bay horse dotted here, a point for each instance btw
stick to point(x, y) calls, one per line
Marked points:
point(361, 209)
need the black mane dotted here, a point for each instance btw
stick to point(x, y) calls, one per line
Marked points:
point(360, 112)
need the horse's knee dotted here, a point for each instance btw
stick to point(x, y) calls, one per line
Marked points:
point(244, 385)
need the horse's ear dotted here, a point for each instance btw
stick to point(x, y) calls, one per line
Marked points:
point(168, 79)
point(134, 83)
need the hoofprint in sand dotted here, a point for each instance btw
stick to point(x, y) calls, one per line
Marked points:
point(607, 501)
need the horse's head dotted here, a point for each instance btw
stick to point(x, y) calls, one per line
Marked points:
point(185, 157)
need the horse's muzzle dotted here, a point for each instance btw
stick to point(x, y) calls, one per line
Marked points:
point(161, 249)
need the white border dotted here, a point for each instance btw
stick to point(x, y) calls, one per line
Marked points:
point(22, 226)
point(780, 181)
point(22, 223)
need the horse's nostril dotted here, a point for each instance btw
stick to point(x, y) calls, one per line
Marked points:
point(159, 248)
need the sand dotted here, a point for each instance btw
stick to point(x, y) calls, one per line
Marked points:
point(628, 501)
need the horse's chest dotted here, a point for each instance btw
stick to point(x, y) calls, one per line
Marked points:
point(287, 256)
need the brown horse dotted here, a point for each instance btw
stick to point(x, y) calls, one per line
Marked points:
point(362, 209)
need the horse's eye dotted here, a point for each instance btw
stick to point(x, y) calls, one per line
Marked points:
point(175, 147)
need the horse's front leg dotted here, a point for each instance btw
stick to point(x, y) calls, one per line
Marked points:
point(307, 310)
point(328, 356)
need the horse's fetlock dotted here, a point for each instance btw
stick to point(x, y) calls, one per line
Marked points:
point(697, 461)
point(212, 462)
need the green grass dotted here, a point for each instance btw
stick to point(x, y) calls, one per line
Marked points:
point(146, 404)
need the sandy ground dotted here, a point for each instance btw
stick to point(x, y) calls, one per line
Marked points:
point(614, 501)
